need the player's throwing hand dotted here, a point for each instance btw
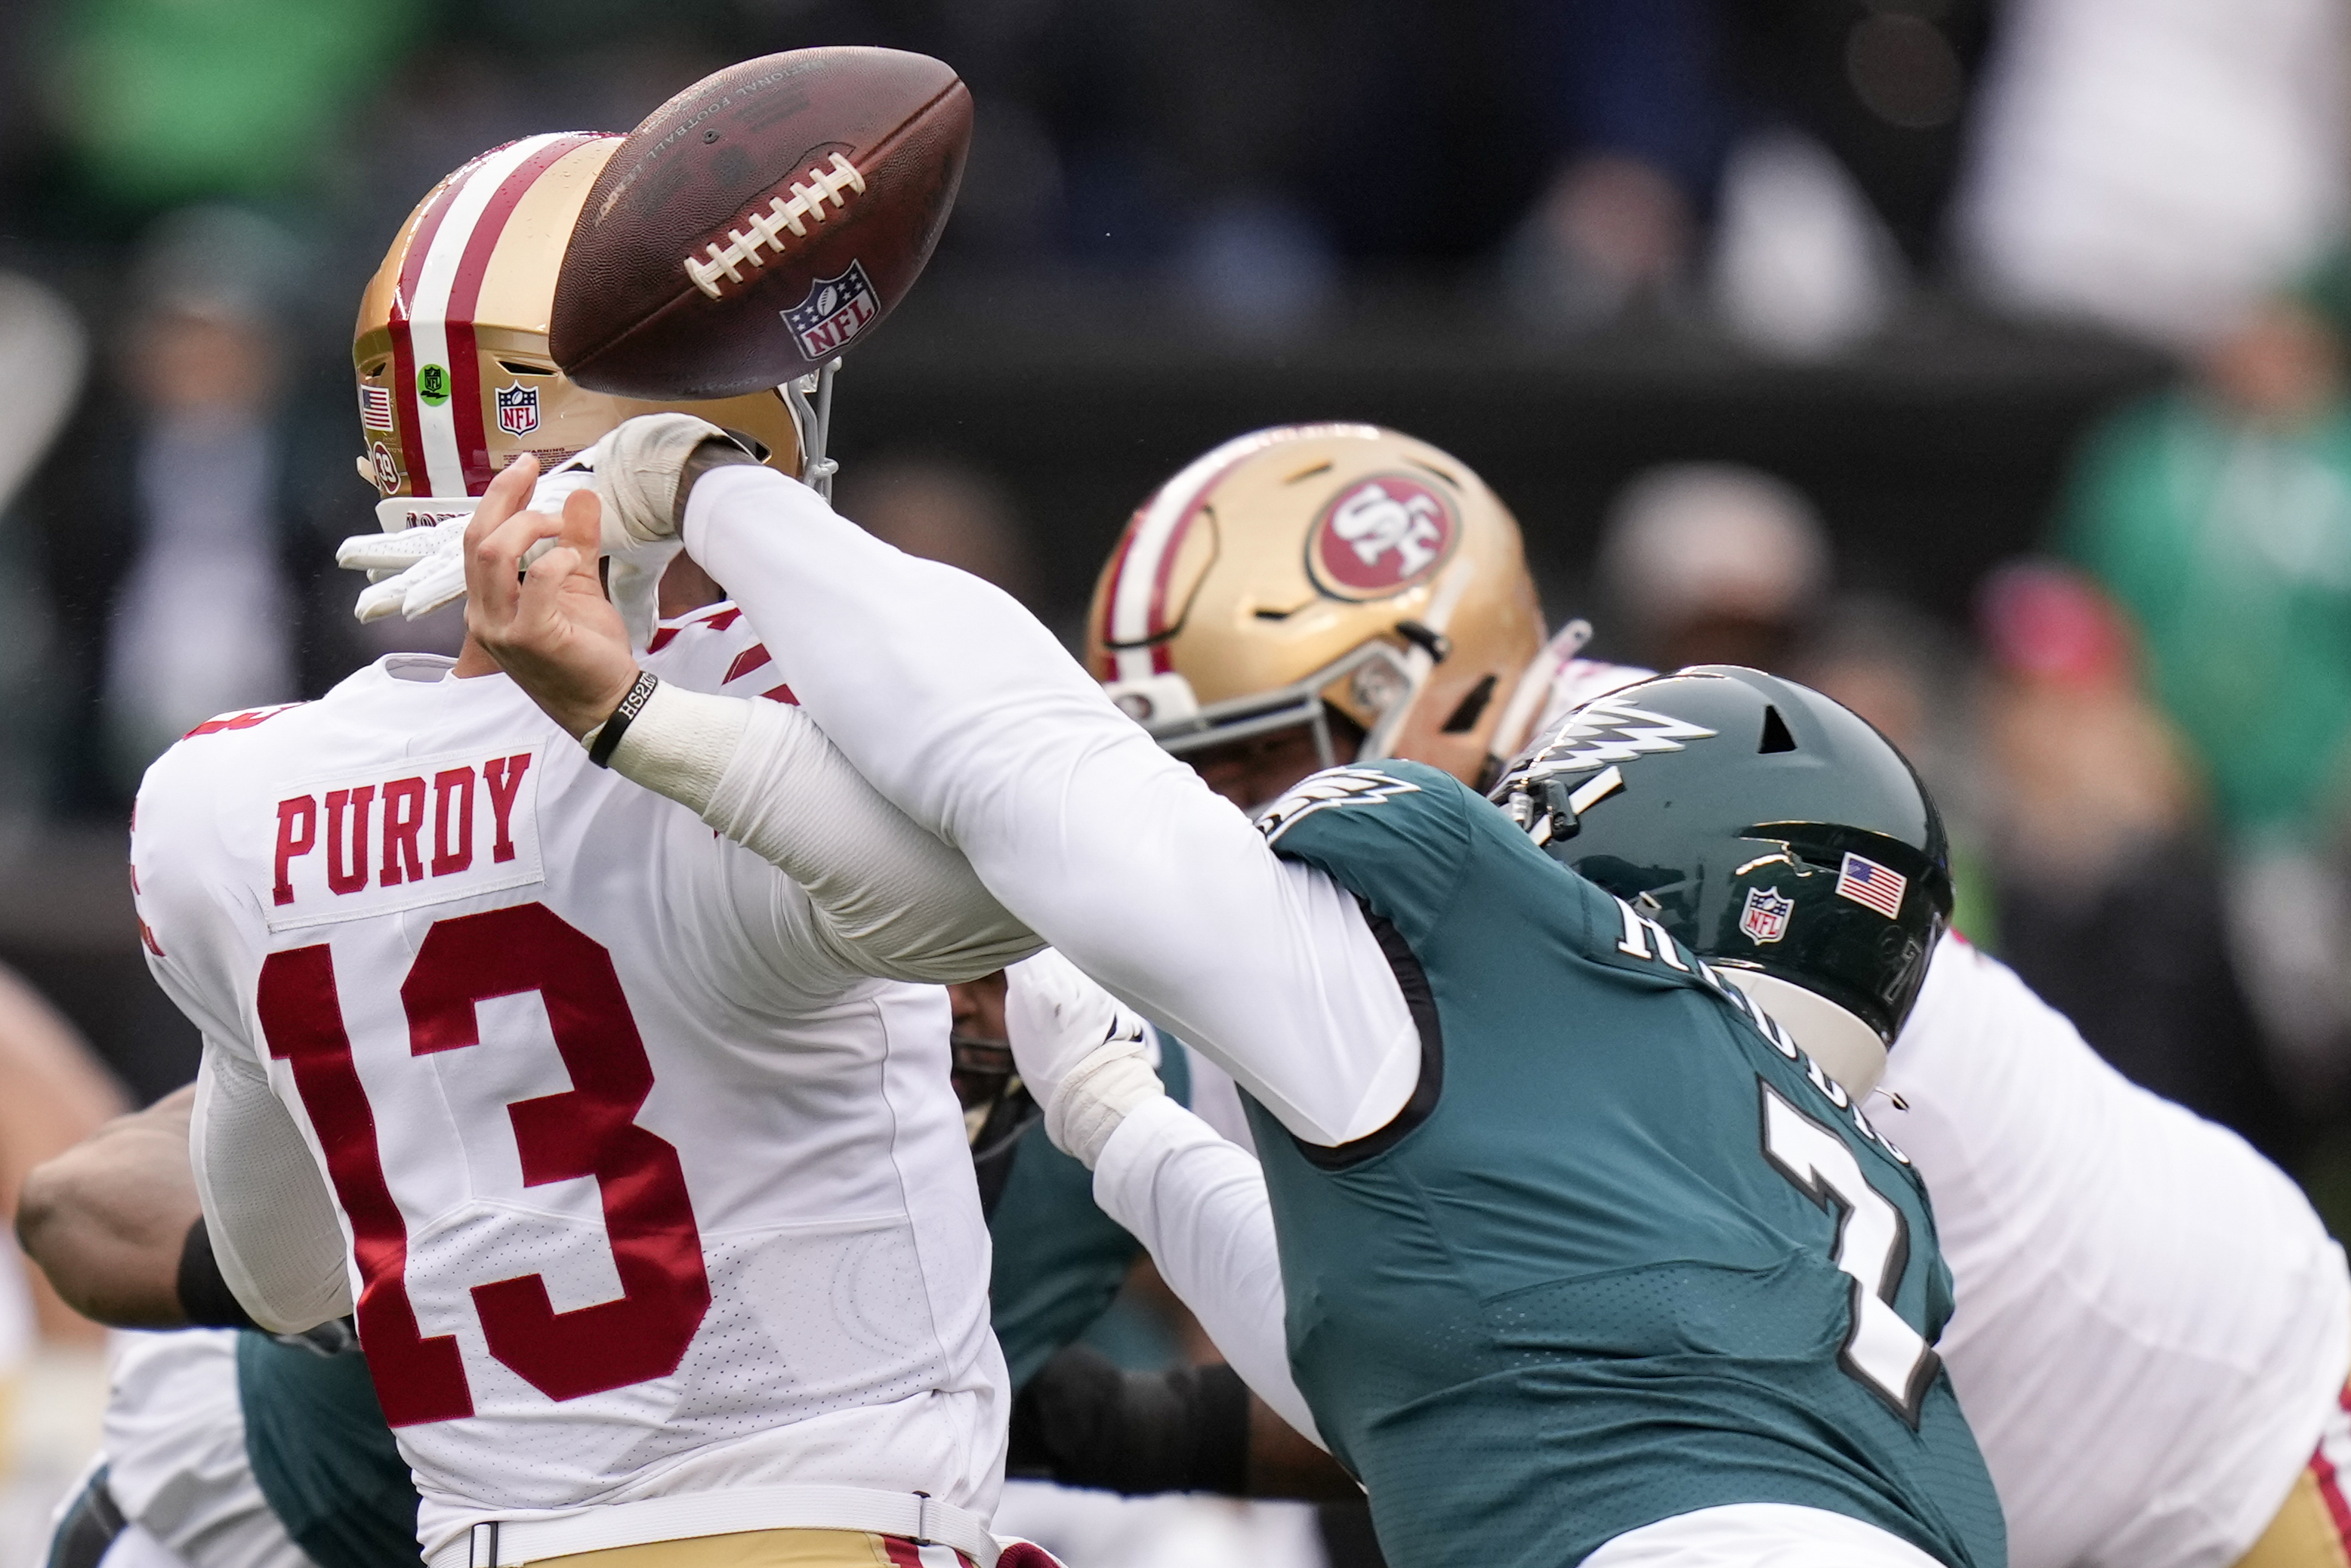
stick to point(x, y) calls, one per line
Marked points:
point(547, 622)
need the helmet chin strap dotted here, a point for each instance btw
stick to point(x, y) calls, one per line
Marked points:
point(814, 423)
point(1846, 1049)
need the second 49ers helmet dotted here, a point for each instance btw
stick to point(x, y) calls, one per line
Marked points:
point(455, 376)
point(1312, 569)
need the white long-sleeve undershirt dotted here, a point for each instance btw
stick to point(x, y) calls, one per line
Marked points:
point(272, 1223)
point(972, 719)
point(890, 899)
point(1198, 1205)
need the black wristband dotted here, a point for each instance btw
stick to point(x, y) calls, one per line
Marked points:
point(609, 735)
point(204, 1295)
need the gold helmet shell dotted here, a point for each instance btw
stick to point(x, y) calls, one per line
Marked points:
point(455, 376)
point(1309, 565)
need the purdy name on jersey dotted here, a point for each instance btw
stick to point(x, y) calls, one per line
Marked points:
point(346, 848)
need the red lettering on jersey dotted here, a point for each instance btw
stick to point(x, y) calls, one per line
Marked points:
point(661, 638)
point(723, 620)
point(348, 875)
point(400, 830)
point(782, 694)
point(450, 856)
point(505, 775)
point(417, 1379)
point(749, 659)
point(245, 720)
point(588, 1130)
point(148, 937)
point(297, 834)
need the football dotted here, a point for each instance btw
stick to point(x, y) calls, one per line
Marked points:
point(759, 223)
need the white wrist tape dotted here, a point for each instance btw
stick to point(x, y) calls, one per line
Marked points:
point(680, 743)
point(1098, 1095)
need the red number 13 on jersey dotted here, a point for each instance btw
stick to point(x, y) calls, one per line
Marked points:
point(588, 1130)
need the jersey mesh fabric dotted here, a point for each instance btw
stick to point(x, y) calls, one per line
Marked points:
point(1577, 1298)
point(273, 1225)
point(801, 1115)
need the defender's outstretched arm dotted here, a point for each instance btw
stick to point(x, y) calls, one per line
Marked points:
point(971, 718)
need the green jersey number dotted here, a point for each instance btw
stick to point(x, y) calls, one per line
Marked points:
point(1881, 1352)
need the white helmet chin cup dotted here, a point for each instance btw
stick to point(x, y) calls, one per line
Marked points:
point(1846, 1049)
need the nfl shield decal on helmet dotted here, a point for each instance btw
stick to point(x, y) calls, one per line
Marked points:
point(517, 409)
point(1765, 918)
point(836, 309)
point(1380, 536)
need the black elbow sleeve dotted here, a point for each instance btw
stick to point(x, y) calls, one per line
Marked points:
point(1083, 1422)
point(204, 1295)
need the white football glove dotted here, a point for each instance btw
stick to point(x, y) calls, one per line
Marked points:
point(1085, 1058)
point(634, 471)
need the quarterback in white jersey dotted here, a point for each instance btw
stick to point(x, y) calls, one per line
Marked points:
point(636, 1161)
point(660, 1220)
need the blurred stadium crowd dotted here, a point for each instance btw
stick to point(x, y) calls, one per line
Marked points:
point(2141, 727)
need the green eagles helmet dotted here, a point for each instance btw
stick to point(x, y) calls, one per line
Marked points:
point(1762, 825)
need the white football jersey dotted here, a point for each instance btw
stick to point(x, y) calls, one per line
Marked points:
point(646, 1197)
point(2152, 1324)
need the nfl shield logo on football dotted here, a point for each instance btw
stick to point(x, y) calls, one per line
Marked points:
point(517, 409)
point(836, 309)
point(1765, 918)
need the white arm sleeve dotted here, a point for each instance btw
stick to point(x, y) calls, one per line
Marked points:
point(274, 1229)
point(969, 717)
point(890, 898)
point(1199, 1204)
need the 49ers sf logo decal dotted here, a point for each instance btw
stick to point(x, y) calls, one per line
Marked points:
point(1380, 536)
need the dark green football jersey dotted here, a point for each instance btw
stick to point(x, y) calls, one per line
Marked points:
point(327, 1463)
point(1623, 1257)
point(324, 1457)
point(1059, 1259)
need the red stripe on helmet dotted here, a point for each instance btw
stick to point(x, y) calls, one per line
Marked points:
point(1110, 592)
point(1155, 622)
point(466, 293)
point(406, 412)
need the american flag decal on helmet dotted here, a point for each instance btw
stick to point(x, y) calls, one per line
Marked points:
point(1866, 882)
point(375, 407)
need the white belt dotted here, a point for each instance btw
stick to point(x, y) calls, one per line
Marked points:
point(504, 1544)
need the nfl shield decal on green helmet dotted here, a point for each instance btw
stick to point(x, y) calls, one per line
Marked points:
point(1764, 825)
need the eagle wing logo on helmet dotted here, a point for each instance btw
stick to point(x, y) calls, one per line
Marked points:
point(1381, 536)
point(1610, 729)
point(1333, 788)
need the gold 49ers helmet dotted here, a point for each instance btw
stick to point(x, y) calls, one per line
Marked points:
point(1317, 568)
point(455, 380)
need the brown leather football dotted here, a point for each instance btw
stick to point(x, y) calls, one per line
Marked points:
point(759, 223)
